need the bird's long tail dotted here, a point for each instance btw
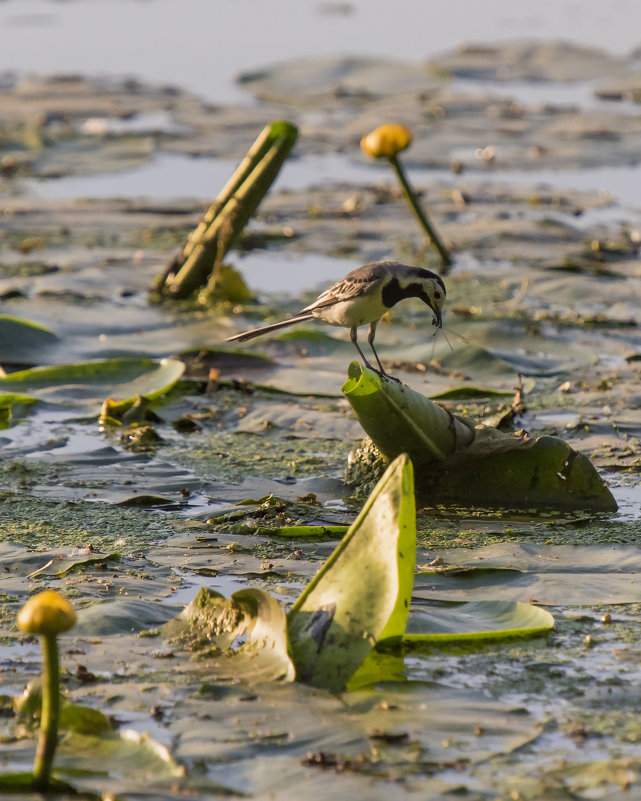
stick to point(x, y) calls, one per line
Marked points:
point(257, 332)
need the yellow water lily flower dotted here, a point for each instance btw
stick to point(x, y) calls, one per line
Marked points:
point(386, 141)
point(46, 613)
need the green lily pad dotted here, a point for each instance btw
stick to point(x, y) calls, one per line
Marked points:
point(456, 460)
point(312, 533)
point(9, 399)
point(89, 383)
point(361, 595)
point(468, 393)
point(10, 403)
point(475, 620)
point(73, 717)
point(23, 342)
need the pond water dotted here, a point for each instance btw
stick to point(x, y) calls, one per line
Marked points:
point(252, 443)
point(203, 46)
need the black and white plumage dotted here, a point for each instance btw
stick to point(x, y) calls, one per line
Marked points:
point(363, 296)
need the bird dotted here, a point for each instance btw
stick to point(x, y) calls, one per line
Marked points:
point(363, 296)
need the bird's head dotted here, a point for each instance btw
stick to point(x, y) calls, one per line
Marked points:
point(434, 296)
point(431, 290)
point(405, 281)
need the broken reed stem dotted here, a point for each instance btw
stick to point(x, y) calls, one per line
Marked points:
point(227, 216)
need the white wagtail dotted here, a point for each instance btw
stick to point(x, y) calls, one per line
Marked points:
point(363, 296)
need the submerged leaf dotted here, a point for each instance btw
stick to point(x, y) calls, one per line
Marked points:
point(474, 620)
point(120, 616)
point(361, 595)
point(456, 460)
point(117, 754)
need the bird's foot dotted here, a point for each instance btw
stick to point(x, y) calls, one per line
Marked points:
point(384, 375)
point(381, 372)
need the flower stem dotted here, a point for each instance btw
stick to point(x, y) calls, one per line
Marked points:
point(50, 712)
point(418, 211)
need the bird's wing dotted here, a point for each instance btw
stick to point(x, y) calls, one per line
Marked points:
point(355, 284)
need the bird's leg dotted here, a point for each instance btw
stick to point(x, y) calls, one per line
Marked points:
point(370, 339)
point(352, 336)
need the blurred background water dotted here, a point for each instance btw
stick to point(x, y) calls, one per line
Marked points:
point(202, 45)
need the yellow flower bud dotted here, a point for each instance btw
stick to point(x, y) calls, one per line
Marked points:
point(386, 141)
point(46, 613)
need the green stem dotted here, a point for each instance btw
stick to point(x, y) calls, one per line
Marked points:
point(418, 211)
point(50, 712)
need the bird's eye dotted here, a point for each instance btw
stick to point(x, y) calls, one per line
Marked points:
point(437, 295)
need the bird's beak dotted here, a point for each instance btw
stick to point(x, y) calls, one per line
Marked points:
point(437, 319)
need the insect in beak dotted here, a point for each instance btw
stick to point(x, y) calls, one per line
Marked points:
point(436, 320)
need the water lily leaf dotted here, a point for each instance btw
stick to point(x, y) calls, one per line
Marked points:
point(400, 420)
point(125, 753)
point(304, 81)
point(306, 532)
point(546, 574)
point(212, 623)
point(121, 615)
point(458, 461)
point(83, 720)
point(475, 620)
point(9, 400)
point(23, 342)
point(230, 286)
point(89, 383)
point(64, 565)
point(132, 764)
point(510, 470)
point(583, 777)
point(465, 393)
point(361, 595)
point(73, 717)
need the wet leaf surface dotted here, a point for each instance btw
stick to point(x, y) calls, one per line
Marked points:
point(88, 383)
point(470, 621)
point(552, 575)
point(361, 595)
